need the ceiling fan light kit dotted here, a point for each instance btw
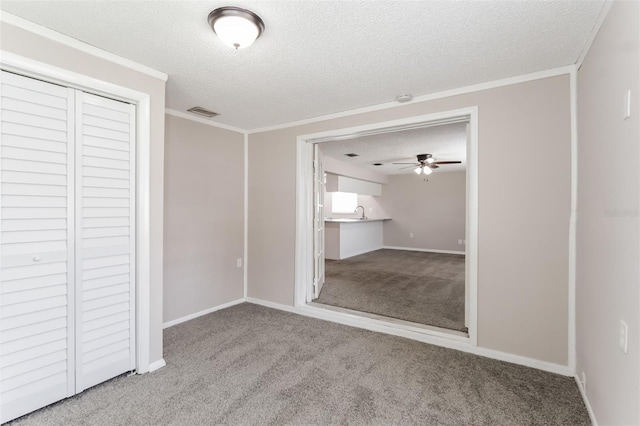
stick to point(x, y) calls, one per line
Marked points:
point(426, 164)
point(424, 170)
point(237, 28)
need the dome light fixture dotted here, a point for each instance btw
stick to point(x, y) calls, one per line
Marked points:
point(236, 27)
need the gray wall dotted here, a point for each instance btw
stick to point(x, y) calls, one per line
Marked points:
point(433, 210)
point(608, 247)
point(30, 45)
point(204, 217)
point(523, 212)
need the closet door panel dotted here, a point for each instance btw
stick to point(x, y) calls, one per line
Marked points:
point(36, 244)
point(105, 263)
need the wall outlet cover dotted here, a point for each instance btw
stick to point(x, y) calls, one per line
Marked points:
point(627, 105)
point(623, 336)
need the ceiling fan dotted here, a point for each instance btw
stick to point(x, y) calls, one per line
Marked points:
point(426, 163)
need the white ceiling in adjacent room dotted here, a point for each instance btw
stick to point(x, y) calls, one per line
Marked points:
point(446, 142)
point(321, 57)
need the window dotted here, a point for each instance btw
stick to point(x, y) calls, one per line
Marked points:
point(343, 202)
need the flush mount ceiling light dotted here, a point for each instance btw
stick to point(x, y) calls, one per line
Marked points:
point(236, 27)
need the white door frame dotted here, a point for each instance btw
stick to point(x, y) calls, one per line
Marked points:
point(31, 68)
point(304, 226)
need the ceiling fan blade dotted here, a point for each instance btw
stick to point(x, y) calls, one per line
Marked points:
point(406, 163)
point(433, 166)
point(409, 167)
point(447, 162)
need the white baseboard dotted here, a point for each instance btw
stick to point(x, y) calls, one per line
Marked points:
point(156, 365)
point(201, 313)
point(273, 305)
point(550, 367)
point(583, 393)
point(440, 339)
point(359, 252)
point(423, 250)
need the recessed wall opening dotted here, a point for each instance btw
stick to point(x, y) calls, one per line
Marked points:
point(406, 255)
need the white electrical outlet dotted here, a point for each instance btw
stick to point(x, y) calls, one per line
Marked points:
point(623, 336)
point(459, 241)
point(239, 262)
point(410, 234)
point(627, 105)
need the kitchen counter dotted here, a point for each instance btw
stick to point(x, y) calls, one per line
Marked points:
point(351, 236)
point(353, 219)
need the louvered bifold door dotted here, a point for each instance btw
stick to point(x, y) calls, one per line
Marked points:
point(105, 235)
point(36, 245)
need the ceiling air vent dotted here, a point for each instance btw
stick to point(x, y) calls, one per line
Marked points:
point(202, 112)
point(351, 155)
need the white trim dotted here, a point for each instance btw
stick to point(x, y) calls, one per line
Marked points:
point(594, 32)
point(423, 250)
point(358, 253)
point(438, 95)
point(156, 365)
point(408, 325)
point(551, 367)
point(472, 229)
point(274, 305)
point(29, 67)
point(202, 120)
point(304, 196)
point(304, 218)
point(573, 219)
point(143, 242)
point(447, 341)
point(74, 43)
point(245, 267)
point(585, 399)
point(201, 313)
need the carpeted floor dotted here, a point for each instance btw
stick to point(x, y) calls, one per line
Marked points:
point(250, 365)
point(427, 288)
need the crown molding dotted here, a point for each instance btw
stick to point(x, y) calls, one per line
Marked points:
point(594, 32)
point(52, 35)
point(438, 95)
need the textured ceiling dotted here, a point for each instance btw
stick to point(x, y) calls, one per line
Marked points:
point(446, 143)
point(321, 57)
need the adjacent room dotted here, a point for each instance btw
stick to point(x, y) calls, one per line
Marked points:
point(326, 212)
point(394, 225)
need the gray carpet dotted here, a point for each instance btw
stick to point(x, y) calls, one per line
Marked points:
point(427, 288)
point(250, 365)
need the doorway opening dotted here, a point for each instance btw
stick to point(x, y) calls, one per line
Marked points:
point(406, 254)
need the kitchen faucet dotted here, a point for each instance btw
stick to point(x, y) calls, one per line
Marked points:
point(356, 211)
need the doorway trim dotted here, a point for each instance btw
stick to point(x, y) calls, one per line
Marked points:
point(42, 71)
point(304, 227)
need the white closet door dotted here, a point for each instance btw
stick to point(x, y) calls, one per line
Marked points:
point(105, 236)
point(319, 184)
point(36, 245)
